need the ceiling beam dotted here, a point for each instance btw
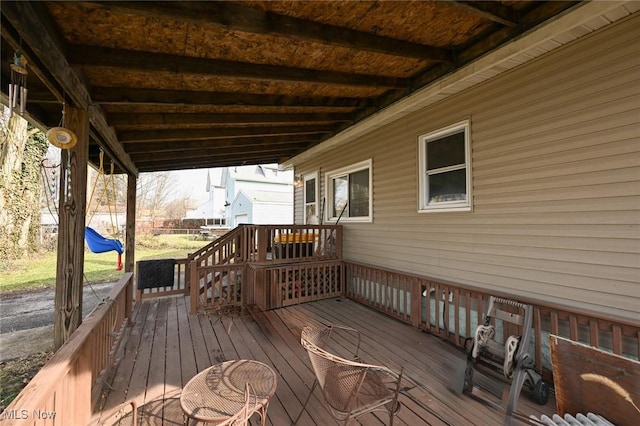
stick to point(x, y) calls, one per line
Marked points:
point(138, 147)
point(37, 30)
point(246, 19)
point(493, 11)
point(180, 65)
point(536, 14)
point(204, 162)
point(200, 153)
point(220, 132)
point(122, 120)
point(126, 96)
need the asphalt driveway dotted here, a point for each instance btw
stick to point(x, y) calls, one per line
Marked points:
point(26, 319)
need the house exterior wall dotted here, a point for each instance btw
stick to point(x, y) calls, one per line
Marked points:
point(241, 206)
point(259, 212)
point(555, 176)
point(246, 181)
point(272, 214)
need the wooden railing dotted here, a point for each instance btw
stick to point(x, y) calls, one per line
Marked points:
point(68, 386)
point(454, 311)
point(216, 287)
point(273, 254)
point(180, 283)
point(276, 286)
point(226, 249)
point(286, 243)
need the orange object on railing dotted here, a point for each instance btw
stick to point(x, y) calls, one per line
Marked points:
point(297, 237)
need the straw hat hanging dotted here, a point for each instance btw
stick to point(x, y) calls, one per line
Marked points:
point(60, 136)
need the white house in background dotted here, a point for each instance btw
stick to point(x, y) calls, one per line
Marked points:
point(212, 211)
point(262, 207)
point(259, 194)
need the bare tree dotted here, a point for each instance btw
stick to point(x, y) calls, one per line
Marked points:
point(177, 209)
point(154, 193)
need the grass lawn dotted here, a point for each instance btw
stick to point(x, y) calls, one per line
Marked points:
point(39, 270)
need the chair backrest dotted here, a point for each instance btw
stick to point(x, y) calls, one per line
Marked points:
point(339, 379)
point(321, 335)
point(318, 335)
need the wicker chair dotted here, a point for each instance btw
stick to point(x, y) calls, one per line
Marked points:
point(351, 388)
point(320, 335)
point(251, 405)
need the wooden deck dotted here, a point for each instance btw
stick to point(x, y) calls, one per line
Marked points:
point(167, 346)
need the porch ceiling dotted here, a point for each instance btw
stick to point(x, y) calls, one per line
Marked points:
point(178, 85)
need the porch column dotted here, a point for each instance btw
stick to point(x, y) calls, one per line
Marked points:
point(130, 242)
point(72, 210)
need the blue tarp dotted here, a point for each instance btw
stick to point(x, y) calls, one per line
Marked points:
point(99, 244)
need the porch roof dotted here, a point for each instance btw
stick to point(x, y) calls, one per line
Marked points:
point(177, 85)
point(168, 346)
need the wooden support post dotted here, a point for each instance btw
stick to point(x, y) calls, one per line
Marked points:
point(263, 235)
point(195, 287)
point(72, 209)
point(130, 242)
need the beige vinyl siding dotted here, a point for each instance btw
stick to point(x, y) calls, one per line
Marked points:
point(556, 182)
point(298, 201)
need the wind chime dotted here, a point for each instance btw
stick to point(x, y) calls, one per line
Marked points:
point(64, 139)
point(18, 86)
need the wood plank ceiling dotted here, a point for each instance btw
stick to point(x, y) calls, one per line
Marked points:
point(179, 85)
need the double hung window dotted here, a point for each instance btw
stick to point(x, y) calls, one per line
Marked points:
point(445, 169)
point(311, 199)
point(349, 193)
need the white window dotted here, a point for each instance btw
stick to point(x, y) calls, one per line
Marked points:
point(349, 193)
point(311, 199)
point(445, 169)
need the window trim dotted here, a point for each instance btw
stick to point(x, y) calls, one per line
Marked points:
point(313, 175)
point(356, 167)
point(445, 206)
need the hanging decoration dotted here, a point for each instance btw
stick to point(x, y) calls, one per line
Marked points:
point(18, 85)
point(60, 136)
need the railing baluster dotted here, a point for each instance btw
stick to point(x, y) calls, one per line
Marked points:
point(617, 339)
point(573, 327)
point(594, 332)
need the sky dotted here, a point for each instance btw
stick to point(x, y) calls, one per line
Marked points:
point(194, 182)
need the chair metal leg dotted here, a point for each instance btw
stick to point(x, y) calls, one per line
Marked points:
point(315, 383)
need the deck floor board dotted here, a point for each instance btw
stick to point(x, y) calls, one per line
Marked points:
point(168, 346)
